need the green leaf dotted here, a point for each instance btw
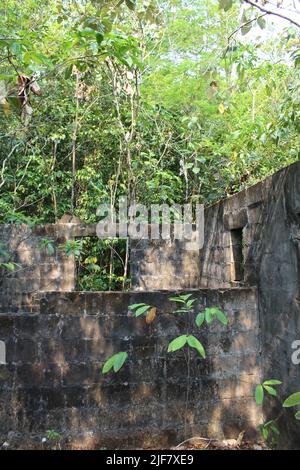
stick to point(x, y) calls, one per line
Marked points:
point(195, 343)
point(116, 362)
point(99, 38)
point(7, 77)
point(297, 415)
point(68, 71)
point(274, 429)
point(142, 310)
point(38, 58)
point(200, 319)
point(272, 382)
point(177, 343)
point(225, 4)
point(10, 266)
point(259, 394)
point(93, 267)
point(265, 432)
point(130, 4)
point(261, 22)
point(209, 316)
point(268, 423)
point(134, 306)
point(292, 400)
point(50, 249)
point(221, 317)
point(185, 297)
point(108, 364)
point(176, 299)
point(119, 360)
point(270, 390)
point(245, 29)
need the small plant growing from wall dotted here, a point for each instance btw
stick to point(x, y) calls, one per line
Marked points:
point(115, 362)
point(185, 309)
point(47, 245)
point(143, 309)
point(52, 439)
point(291, 401)
point(269, 429)
point(6, 264)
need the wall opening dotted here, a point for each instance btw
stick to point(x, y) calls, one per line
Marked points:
point(237, 272)
point(2, 352)
point(101, 265)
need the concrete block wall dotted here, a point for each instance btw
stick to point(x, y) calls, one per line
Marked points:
point(258, 213)
point(52, 379)
point(36, 270)
point(162, 264)
point(267, 218)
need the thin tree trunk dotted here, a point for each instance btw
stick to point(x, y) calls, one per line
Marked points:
point(253, 106)
point(53, 186)
point(126, 263)
point(74, 141)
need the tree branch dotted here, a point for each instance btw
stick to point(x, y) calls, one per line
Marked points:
point(270, 12)
point(242, 26)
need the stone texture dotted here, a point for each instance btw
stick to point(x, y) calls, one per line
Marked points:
point(49, 335)
point(53, 380)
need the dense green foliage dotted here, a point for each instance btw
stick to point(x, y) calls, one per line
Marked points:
point(164, 101)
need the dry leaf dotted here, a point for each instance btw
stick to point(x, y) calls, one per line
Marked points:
point(34, 87)
point(151, 315)
point(221, 108)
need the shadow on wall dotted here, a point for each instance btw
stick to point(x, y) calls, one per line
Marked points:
point(35, 267)
point(279, 284)
point(53, 375)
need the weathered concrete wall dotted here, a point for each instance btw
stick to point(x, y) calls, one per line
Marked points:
point(253, 238)
point(52, 378)
point(36, 269)
point(161, 264)
point(238, 232)
point(269, 216)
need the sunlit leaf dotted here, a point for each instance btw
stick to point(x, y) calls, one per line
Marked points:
point(119, 360)
point(108, 364)
point(193, 342)
point(177, 343)
point(200, 319)
point(270, 390)
point(225, 4)
point(272, 382)
point(259, 394)
point(139, 311)
point(292, 400)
